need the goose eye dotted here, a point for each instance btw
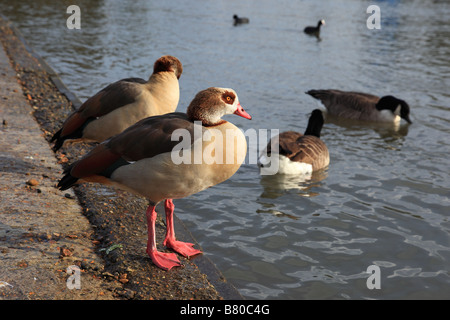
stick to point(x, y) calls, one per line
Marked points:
point(228, 97)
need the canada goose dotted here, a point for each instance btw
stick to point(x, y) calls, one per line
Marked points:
point(297, 153)
point(238, 20)
point(140, 160)
point(314, 30)
point(362, 106)
point(123, 103)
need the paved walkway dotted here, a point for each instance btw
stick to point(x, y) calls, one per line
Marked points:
point(37, 221)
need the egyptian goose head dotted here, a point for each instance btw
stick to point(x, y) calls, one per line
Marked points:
point(210, 105)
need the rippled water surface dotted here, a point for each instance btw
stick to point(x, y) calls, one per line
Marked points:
point(384, 199)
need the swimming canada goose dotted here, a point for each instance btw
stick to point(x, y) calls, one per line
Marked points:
point(298, 153)
point(362, 106)
point(123, 103)
point(238, 20)
point(141, 160)
point(314, 30)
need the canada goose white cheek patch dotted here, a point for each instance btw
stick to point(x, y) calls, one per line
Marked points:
point(388, 116)
point(263, 161)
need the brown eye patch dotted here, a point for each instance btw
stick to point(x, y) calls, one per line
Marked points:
point(228, 97)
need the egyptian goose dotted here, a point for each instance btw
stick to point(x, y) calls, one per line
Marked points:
point(238, 20)
point(147, 159)
point(314, 30)
point(362, 106)
point(123, 103)
point(297, 153)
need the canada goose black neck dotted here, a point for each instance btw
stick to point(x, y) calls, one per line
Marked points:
point(315, 124)
point(392, 103)
point(388, 103)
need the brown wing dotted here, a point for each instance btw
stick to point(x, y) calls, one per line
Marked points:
point(90, 167)
point(151, 136)
point(114, 96)
point(356, 100)
point(345, 103)
point(95, 162)
point(311, 150)
point(286, 143)
point(145, 139)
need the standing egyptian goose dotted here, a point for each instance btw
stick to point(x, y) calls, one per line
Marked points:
point(297, 153)
point(123, 103)
point(362, 106)
point(147, 160)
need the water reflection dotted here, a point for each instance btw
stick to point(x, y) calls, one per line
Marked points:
point(315, 35)
point(386, 131)
point(304, 185)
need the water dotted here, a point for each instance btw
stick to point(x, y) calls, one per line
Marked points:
point(384, 199)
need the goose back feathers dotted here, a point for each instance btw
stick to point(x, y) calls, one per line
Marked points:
point(362, 106)
point(300, 153)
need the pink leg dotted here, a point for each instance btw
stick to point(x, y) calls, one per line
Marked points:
point(165, 261)
point(184, 248)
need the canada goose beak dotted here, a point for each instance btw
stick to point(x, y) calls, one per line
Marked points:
point(408, 119)
point(241, 112)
